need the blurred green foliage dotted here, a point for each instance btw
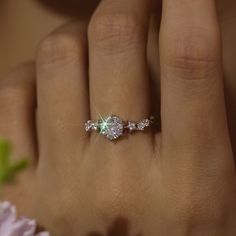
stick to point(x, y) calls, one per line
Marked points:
point(8, 170)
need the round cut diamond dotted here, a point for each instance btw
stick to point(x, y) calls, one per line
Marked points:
point(131, 126)
point(143, 124)
point(111, 127)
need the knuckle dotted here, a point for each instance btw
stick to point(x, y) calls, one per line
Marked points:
point(58, 215)
point(60, 47)
point(115, 31)
point(194, 51)
point(110, 204)
point(119, 197)
point(196, 205)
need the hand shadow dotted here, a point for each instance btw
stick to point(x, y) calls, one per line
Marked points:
point(120, 227)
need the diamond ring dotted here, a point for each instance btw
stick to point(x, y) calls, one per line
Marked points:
point(112, 127)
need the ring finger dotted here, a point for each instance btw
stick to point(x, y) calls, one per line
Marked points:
point(119, 82)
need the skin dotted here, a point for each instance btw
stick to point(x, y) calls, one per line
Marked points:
point(177, 181)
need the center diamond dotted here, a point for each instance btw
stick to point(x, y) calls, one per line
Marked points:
point(111, 127)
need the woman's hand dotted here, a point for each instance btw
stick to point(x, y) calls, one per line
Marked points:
point(180, 181)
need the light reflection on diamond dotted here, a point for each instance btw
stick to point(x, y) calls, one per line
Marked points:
point(111, 127)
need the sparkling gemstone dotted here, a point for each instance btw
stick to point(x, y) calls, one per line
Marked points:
point(90, 125)
point(111, 127)
point(131, 126)
point(143, 124)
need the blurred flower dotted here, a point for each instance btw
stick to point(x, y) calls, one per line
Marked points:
point(11, 226)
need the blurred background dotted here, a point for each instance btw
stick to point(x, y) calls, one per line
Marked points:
point(23, 23)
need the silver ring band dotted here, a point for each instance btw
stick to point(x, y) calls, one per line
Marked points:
point(112, 127)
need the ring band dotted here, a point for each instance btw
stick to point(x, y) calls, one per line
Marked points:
point(112, 127)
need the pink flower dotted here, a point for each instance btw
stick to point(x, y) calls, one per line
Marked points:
point(11, 226)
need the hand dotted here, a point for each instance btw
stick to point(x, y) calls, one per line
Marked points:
point(177, 182)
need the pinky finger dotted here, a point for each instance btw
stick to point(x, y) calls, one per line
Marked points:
point(17, 108)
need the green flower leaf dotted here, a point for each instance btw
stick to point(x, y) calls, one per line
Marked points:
point(5, 152)
point(8, 170)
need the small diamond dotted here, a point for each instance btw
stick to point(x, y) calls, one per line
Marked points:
point(111, 127)
point(131, 126)
point(143, 124)
point(90, 125)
